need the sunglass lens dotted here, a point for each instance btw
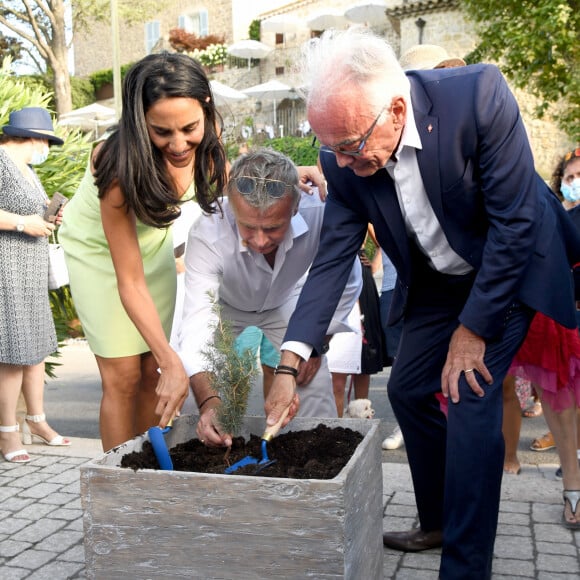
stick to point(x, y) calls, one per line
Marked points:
point(246, 185)
point(275, 188)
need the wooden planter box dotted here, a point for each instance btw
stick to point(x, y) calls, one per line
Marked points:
point(171, 524)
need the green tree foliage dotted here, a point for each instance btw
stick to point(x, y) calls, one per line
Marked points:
point(536, 43)
point(41, 27)
point(254, 30)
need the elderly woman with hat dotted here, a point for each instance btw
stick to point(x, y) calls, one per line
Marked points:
point(27, 333)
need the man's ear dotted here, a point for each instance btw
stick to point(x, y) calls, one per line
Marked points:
point(399, 111)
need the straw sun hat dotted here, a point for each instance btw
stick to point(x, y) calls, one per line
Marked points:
point(428, 56)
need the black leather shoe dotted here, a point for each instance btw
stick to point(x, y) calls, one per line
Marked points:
point(413, 541)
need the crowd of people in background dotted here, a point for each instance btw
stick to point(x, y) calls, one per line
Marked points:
point(476, 252)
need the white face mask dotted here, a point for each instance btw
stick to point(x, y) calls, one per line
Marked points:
point(571, 192)
point(39, 157)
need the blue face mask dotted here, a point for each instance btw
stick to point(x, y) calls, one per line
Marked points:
point(39, 157)
point(571, 192)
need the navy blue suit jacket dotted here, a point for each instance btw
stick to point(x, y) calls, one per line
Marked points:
point(497, 213)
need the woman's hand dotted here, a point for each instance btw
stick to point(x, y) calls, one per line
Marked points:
point(36, 227)
point(172, 390)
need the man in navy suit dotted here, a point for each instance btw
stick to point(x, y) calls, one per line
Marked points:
point(439, 163)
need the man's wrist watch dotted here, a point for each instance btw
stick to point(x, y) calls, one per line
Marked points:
point(325, 348)
point(20, 225)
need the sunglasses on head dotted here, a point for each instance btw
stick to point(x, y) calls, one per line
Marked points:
point(246, 185)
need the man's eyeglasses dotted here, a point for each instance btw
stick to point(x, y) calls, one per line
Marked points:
point(358, 152)
point(246, 185)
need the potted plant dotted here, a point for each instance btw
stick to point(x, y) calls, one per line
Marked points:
point(212, 525)
point(199, 525)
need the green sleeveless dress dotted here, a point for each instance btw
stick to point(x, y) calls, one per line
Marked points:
point(106, 325)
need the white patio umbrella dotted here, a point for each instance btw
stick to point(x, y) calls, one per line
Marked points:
point(281, 23)
point(223, 94)
point(90, 118)
point(370, 12)
point(272, 89)
point(326, 19)
point(249, 49)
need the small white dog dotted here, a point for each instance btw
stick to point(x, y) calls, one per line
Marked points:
point(359, 409)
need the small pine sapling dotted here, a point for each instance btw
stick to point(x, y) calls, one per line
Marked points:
point(231, 373)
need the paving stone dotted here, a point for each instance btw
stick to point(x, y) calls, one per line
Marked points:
point(66, 514)
point(414, 574)
point(12, 525)
point(39, 530)
point(66, 477)
point(518, 519)
point(34, 511)
point(59, 498)
point(508, 530)
point(39, 490)
point(29, 480)
point(75, 526)
point(398, 510)
point(32, 559)
point(428, 560)
point(398, 524)
point(58, 570)
point(552, 533)
point(513, 568)
point(563, 564)
point(75, 554)
point(11, 547)
point(517, 547)
point(547, 513)
point(556, 548)
point(59, 541)
point(9, 573)
point(15, 503)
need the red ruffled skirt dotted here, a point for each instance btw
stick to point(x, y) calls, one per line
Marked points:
point(550, 358)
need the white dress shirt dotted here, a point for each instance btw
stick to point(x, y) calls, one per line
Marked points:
point(420, 219)
point(218, 264)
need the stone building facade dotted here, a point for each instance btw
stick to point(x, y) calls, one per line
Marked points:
point(405, 23)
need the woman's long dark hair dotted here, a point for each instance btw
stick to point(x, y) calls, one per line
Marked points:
point(129, 158)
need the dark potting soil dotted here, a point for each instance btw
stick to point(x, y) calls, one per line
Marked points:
point(318, 453)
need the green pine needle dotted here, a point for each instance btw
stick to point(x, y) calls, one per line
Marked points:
point(231, 374)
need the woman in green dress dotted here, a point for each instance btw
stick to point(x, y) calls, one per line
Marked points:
point(117, 237)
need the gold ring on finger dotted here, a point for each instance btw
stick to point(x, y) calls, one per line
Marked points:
point(468, 371)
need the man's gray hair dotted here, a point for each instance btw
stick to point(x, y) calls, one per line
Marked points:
point(354, 59)
point(266, 164)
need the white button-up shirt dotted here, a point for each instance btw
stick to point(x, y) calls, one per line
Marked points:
point(420, 219)
point(218, 264)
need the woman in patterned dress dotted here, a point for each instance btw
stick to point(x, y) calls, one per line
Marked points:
point(27, 334)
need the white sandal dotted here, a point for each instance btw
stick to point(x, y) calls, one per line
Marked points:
point(28, 436)
point(11, 457)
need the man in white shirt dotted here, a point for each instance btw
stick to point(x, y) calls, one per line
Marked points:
point(254, 259)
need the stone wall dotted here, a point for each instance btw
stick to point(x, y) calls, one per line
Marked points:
point(92, 49)
point(442, 23)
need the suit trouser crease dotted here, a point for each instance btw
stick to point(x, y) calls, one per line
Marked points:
point(456, 463)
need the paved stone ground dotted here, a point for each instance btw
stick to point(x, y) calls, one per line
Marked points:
point(41, 533)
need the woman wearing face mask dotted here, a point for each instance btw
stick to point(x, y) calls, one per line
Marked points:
point(27, 334)
point(550, 359)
